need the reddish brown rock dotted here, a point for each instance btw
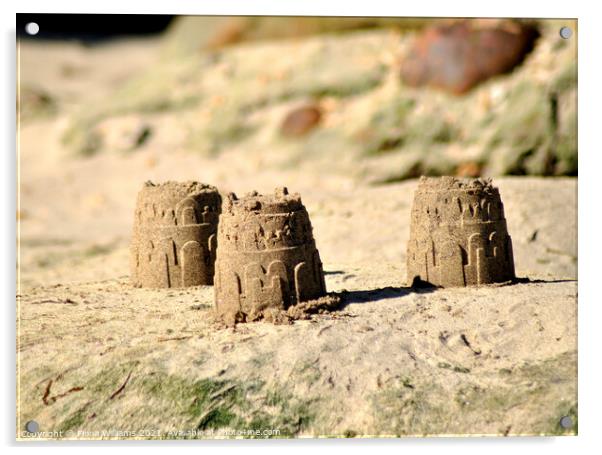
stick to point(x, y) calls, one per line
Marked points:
point(468, 169)
point(459, 55)
point(301, 120)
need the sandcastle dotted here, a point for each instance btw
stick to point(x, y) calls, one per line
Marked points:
point(458, 234)
point(267, 258)
point(174, 238)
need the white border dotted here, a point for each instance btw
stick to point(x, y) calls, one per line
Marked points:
point(590, 121)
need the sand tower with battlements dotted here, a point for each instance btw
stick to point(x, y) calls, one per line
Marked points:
point(175, 233)
point(267, 257)
point(458, 234)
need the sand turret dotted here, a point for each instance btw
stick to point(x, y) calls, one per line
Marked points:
point(458, 234)
point(175, 233)
point(267, 257)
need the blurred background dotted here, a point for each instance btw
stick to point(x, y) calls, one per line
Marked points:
point(106, 102)
point(383, 99)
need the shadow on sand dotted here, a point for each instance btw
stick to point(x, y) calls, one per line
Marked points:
point(537, 281)
point(334, 272)
point(420, 287)
point(373, 295)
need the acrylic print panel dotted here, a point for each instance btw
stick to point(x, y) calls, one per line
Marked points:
point(167, 290)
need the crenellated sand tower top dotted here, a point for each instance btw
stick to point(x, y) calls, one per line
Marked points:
point(458, 234)
point(177, 204)
point(267, 255)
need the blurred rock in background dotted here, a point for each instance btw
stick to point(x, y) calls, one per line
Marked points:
point(301, 120)
point(459, 55)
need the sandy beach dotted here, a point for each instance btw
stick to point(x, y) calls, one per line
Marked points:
point(96, 354)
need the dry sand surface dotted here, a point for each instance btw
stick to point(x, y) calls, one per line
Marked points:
point(96, 354)
point(392, 361)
